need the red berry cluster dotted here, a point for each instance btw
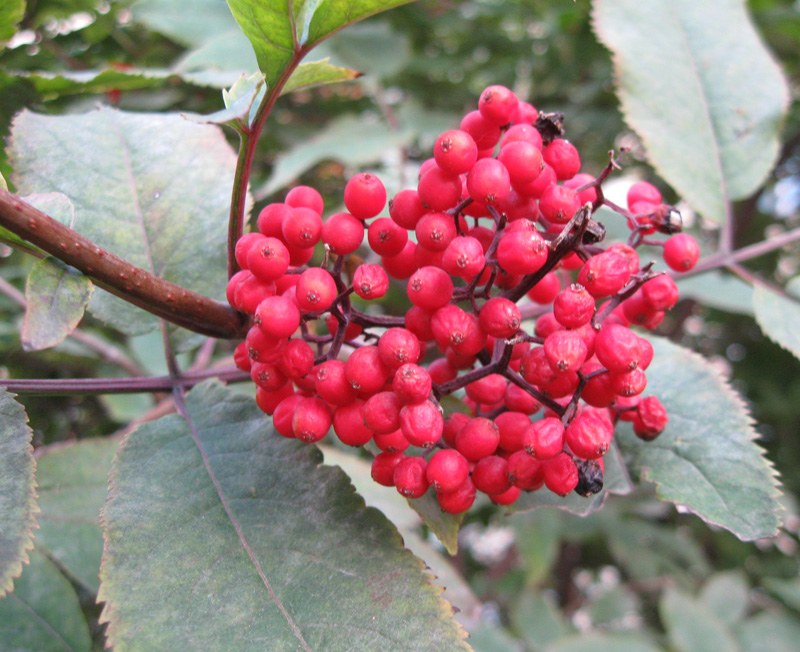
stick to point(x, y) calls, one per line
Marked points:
point(544, 403)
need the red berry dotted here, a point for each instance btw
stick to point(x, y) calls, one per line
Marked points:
point(511, 425)
point(386, 238)
point(383, 467)
point(302, 229)
point(392, 442)
point(574, 306)
point(681, 252)
point(270, 219)
point(421, 423)
point(305, 196)
point(562, 156)
point(312, 419)
point(544, 439)
point(630, 383)
point(331, 383)
point(522, 252)
point(447, 470)
point(439, 190)
point(403, 264)
point(487, 390)
point(498, 104)
point(560, 474)
point(364, 196)
point(435, 231)
point(605, 274)
point(478, 438)
point(459, 500)
point(546, 290)
point(277, 316)
point(455, 151)
point(370, 281)
point(297, 359)
point(268, 376)
point(398, 346)
point(500, 317)
point(524, 471)
point(365, 371)
point(588, 437)
point(651, 418)
point(642, 191)
point(488, 181)
point(283, 415)
point(489, 475)
point(464, 257)
point(485, 133)
point(412, 383)
point(518, 400)
point(558, 204)
point(406, 209)
point(523, 160)
point(315, 290)
point(660, 293)
point(348, 424)
point(430, 288)
point(409, 477)
point(617, 348)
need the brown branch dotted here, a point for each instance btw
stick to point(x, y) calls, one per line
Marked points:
point(135, 285)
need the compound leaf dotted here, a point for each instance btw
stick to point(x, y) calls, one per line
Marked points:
point(158, 195)
point(57, 296)
point(43, 614)
point(18, 507)
point(706, 459)
point(252, 543)
point(281, 33)
point(73, 483)
point(778, 315)
point(699, 87)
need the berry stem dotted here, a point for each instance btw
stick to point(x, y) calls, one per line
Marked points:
point(135, 285)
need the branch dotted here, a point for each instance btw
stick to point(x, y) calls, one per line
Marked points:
point(135, 285)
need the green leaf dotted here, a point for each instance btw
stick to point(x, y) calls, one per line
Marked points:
point(280, 37)
point(374, 47)
point(444, 526)
point(697, 84)
point(57, 205)
point(400, 512)
point(73, 483)
point(488, 637)
point(616, 481)
point(316, 73)
point(11, 12)
point(57, 296)
point(188, 22)
point(43, 614)
point(726, 595)
point(769, 632)
point(536, 617)
point(18, 507)
point(788, 591)
point(241, 101)
point(720, 290)
point(334, 142)
point(706, 459)
point(251, 542)
point(691, 627)
point(154, 188)
point(778, 315)
point(598, 642)
point(51, 84)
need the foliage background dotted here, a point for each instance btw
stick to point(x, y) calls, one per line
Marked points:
point(637, 575)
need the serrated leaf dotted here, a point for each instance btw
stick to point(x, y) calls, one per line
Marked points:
point(769, 632)
point(18, 506)
point(43, 614)
point(400, 512)
point(726, 596)
point(717, 289)
point(73, 483)
point(57, 296)
point(253, 544)
point(706, 459)
point(697, 84)
point(778, 315)
point(281, 33)
point(599, 642)
point(615, 481)
point(691, 627)
point(153, 188)
point(11, 12)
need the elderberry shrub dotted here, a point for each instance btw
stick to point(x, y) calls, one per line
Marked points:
point(543, 404)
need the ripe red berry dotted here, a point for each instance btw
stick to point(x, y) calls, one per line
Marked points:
point(364, 196)
point(681, 252)
point(331, 383)
point(315, 290)
point(565, 350)
point(478, 438)
point(487, 390)
point(405, 208)
point(447, 470)
point(588, 437)
point(511, 425)
point(271, 217)
point(312, 419)
point(485, 133)
point(435, 231)
point(651, 418)
point(617, 348)
point(574, 306)
point(305, 196)
point(268, 376)
point(421, 423)
point(605, 274)
point(370, 281)
point(522, 252)
point(488, 181)
point(398, 346)
point(283, 415)
point(489, 475)
point(403, 264)
point(383, 467)
point(518, 400)
point(277, 316)
point(562, 156)
point(439, 190)
point(464, 257)
point(642, 191)
point(268, 258)
point(500, 317)
point(409, 477)
point(302, 229)
point(459, 500)
point(523, 160)
point(430, 288)
point(365, 371)
point(381, 413)
point(660, 293)
point(412, 383)
point(392, 442)
point(455, 151)
point(348, 424)
point(558, 204)
point(297, 359)
point(498, 105)
point(525, 472)
point(544, 439)
point(456, 328)
point(386, 238)
point(560, 474)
